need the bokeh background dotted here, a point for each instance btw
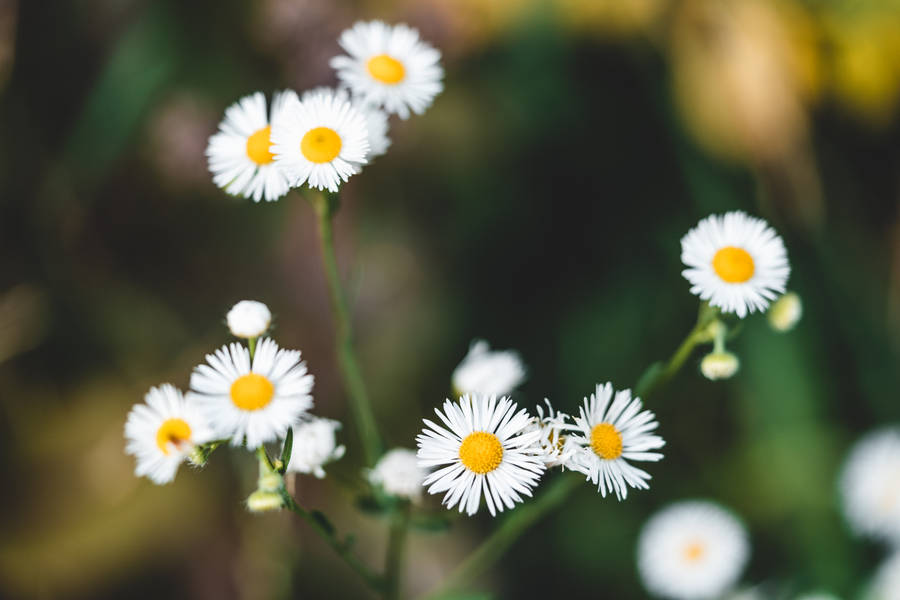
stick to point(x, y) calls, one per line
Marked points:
point(538, 204)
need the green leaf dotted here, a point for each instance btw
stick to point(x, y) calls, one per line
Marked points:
point(286, 450)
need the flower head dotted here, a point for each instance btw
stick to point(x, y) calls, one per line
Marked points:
point(321, 140)
point(315, 446)
point(240, 154)
point(719, 365)
point(256, 402)
point(485, 448)
point(736, 262)
point(556, 446)
point(248, 319)
point(692, 551)
point(492, 373)
point(399, 474)
point(870, 485)
point(376, 119)
point(785, 313)
point(389, 67)
point(163, 431)
point(610, 436)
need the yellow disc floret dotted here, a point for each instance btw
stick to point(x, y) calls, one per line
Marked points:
point(252, 392)
point(173, 432)
point(733, 265)
point(321, 145)
point(694, 552)
point(481, 452)
point(386, 69)
point(606, 441)
point(258, 146)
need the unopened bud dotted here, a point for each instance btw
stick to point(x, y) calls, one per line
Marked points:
point(719, 365)
point(263, 501)
point(785, 313)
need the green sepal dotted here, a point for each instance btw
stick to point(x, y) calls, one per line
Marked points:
point(286, 450)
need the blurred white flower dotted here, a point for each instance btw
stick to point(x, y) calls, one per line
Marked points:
point(255, 402)
point(692, 551)
point(489, 373)
point(735, 261)
point(870, 485)
point(399, 474)
point(785, 313)
point(248, 319)
point(315, 445)
point(389, 67)
point(162, 432)
point(886, 582)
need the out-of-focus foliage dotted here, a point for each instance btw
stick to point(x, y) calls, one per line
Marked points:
point(538, 204)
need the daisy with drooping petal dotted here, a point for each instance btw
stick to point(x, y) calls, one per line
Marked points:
point(389, 67)
point(611, 435)
point(376, 119)
point(315, 446)
point(240, 154)
point(321, 140)
point(491, 373)
point(163, 431)
point(870, 485)
point(485, 449)
point(398, 473)
point(692, 551)
point(736, 262)
point(257, 401)
point(248, 319)
point(556, 447)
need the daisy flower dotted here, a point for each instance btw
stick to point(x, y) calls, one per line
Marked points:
point(692, 551)
point(321, 140)
point(314, 446)
point(248, 319)
point(556, 447)
point(398, 473)
point(489, 373)
point(376, 119)
point(736, 262)
point(162, 432)
point(240, 154)
point(870, 485)
point(485, 448)
point(611, 435)
point(257, 401)
point(389, 67)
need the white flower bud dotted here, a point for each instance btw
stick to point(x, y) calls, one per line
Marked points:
point(486, 372)
point(248, 319)
point(399, 474)
point(314, 446)
point(263, 501)
point(719, 365)
point(785, 313)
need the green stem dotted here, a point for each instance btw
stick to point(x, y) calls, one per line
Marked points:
point(341, 547)
point(395, 552)
point(360, 404)
point(251, 343)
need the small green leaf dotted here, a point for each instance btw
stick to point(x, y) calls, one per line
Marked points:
point(323, 521)
point(286, 451)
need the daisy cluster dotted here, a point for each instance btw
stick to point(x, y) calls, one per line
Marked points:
point(242, 395)
point(325, 135)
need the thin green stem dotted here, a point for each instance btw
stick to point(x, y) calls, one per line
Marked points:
point(343, 548)
point(251, 343)
point(349, 366)
point(396, 549)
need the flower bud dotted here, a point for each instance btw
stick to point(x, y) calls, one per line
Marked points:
point(248, 319)
point(785, 313)
point(719, 365)
point(264, 501)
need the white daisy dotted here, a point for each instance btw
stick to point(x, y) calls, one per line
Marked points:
point(376, 119)
point(162, 432)
point(485, 449)
point(248, 319)
point(692, 551)
point(258, 401)
point(556, 446)
point(736, 262)
point(610, 436)
point(870, 485)
point(489, 373)
point(389, 67)
point(398, 473)
point(321, 140)
point(240, 154)
point(314, 446)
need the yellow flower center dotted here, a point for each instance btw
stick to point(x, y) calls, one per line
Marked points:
point(252, 391)
point(320, 145)
point(481, 452)
point(606, 441)
point(173, 432)
point(386, 69)
point(694, 552)
point(734, 265)
point(258, 146)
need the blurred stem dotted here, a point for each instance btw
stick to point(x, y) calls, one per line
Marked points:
point(341, 547)
point(396, 548)
point(561, 488)
point(251, 343)
point(360, 404)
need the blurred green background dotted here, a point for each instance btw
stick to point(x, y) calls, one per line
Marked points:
point(538, 204)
